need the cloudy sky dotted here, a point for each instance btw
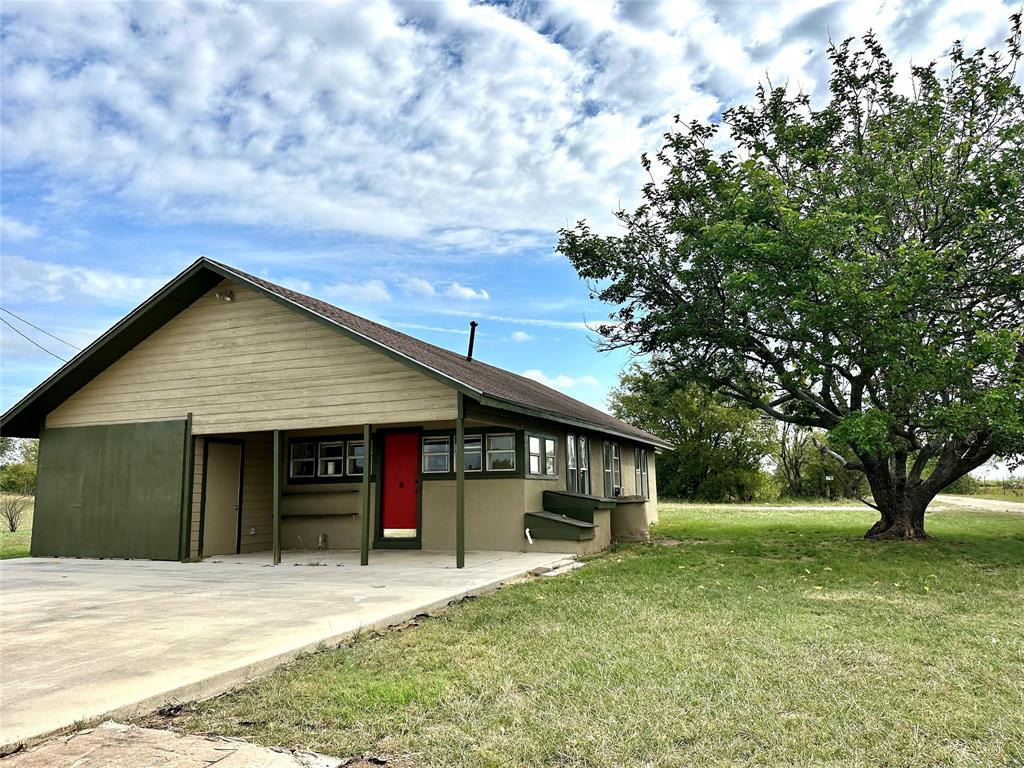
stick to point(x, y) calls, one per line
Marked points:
point(409, 161)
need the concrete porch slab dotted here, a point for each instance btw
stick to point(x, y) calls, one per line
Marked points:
point(86, 640)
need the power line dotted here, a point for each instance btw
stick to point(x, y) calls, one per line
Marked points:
point(32, 341)
point(26, 322)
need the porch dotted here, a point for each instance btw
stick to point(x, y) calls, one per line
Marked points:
point(328, 489)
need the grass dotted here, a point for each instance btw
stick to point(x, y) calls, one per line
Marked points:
point(754, 637)
point(16, 544)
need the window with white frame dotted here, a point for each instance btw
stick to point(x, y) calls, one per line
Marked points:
point(572, 478)
point(302, 459)
point(640, 465)
point(331, 455)
point(577, 462)
point(356, 458)
point(436, 455)
point(541, 454)
point(473, 453)
point(583, 458)
point(501, 453)
point(328, 460)
point(612, 469)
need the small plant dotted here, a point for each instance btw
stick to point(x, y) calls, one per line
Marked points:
point(12, 508)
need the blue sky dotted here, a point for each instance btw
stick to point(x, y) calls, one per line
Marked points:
point(411, 162)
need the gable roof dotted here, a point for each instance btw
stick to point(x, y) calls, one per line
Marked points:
point(487, 384)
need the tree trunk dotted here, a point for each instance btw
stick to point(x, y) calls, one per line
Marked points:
point(901, 509)
point(901, 521)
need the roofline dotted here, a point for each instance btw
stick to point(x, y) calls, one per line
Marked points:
point(526, 410)
point(101, 341)
point(230, 273)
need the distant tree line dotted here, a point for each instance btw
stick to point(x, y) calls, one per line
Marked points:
point(726, 451)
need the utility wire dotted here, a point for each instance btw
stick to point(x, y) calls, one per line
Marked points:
point(26, 322)
point(31, 340)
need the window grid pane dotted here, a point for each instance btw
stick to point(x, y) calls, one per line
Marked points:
point(302, 461)
point(501, 454)
point(331, 459)
point(436, 454)
point(355, 460)
point(473, 453)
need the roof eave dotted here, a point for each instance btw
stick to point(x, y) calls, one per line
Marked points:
point(526, 410)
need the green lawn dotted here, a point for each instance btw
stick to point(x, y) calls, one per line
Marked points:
point(16, 544)
point(762, 638)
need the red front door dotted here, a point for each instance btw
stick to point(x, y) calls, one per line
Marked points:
point(400, 487)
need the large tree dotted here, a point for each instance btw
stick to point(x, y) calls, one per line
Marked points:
point(717, 444)
point(857, 268)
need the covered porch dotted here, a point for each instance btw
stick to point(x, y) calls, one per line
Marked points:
point(320, 490)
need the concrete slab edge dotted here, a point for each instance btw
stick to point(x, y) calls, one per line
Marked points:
point(224, 682)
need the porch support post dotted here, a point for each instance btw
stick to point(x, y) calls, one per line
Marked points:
point(277, 497)
point(186, 492)
point(364, 540)
point(460, 483)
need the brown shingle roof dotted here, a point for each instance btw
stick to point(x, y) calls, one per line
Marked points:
point(487, 379)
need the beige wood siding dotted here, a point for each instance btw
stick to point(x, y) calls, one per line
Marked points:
point(257, 493)
point(253, 364)
point(197, 500)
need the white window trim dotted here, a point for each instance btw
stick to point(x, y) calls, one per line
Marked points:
point(339, 459)
point(292, 461)
point(436, 440)
point(349, 458)
point(488, 451)
point(480, 440)
point(543, 456)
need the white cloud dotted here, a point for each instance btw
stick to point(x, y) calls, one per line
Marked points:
point(521, 336)
point(370, 292)
point(561, 381)
point(419, 286)
point(457, 291)
point(539, 322)
point(12, 229)
point(27, 281)
point(465, 125)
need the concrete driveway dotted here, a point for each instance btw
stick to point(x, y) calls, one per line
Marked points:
point(86, 639)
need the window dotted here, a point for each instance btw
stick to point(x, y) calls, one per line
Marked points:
point(612, 469)
point(542, 458)
point(577, 464)
point(550, 456)
point(302, 461)
point(436, 454)
point(501, 453)
point(332, 459)
point(328, 460)
point(473, 453)
point(640, 460)
point(583, 457)
point(572, 482)
point(356, 458)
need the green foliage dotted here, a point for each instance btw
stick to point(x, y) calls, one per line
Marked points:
point(802, 470)
point(854, 268)
point(19, 469)
point(718, 443)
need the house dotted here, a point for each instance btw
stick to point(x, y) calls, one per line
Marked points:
point(227, 414)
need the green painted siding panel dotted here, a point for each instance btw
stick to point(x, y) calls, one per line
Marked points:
point(110, 491)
